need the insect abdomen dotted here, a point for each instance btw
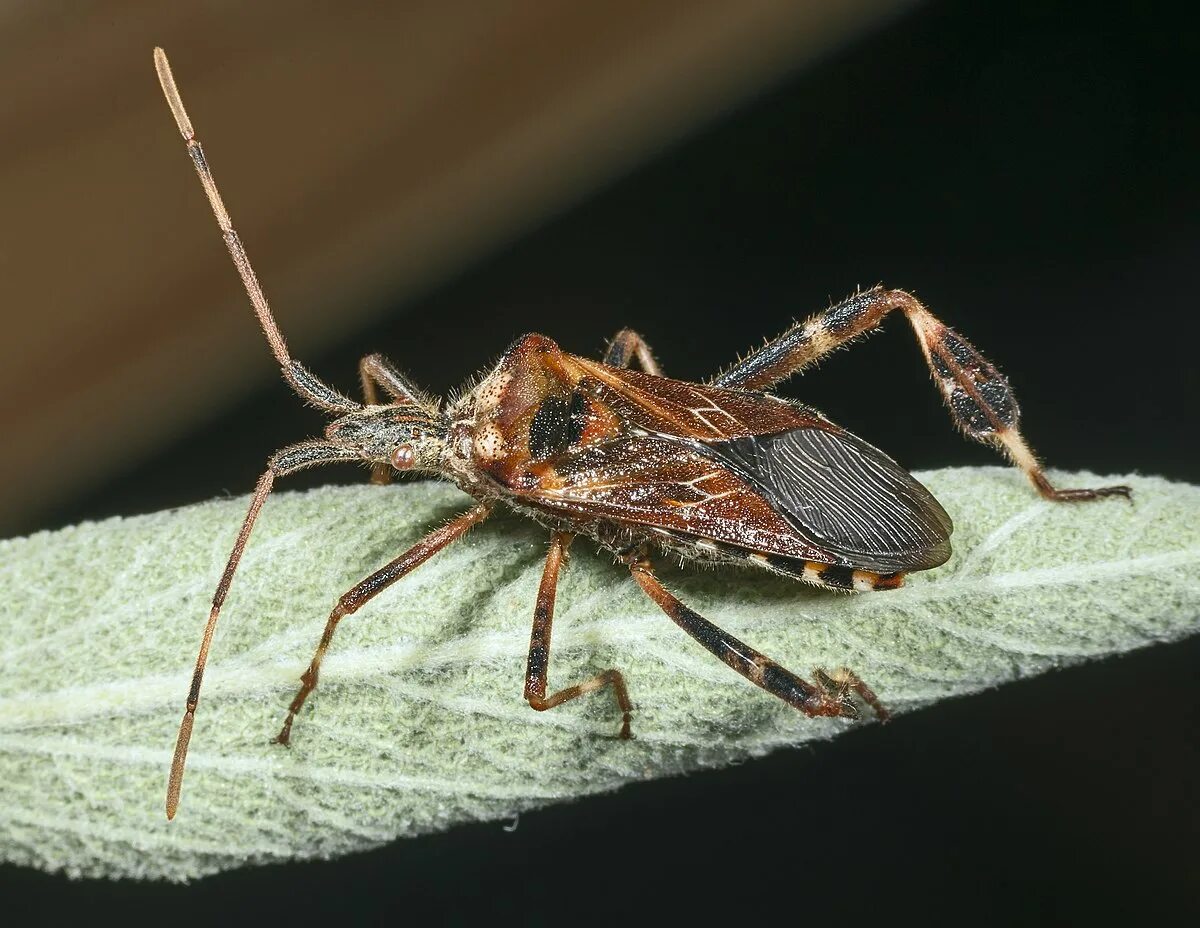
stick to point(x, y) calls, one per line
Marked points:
point(836, 576)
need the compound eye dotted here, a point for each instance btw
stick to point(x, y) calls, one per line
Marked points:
point(403, 457)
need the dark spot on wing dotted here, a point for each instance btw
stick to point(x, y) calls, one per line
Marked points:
point(557, 425)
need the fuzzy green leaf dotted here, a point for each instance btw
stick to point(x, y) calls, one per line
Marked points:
point(419, 722)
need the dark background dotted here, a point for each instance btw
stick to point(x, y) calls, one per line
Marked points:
point(1029, 170)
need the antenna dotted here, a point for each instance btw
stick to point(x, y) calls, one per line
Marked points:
point(300, 379)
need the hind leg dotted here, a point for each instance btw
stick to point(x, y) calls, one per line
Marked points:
point(828, 696)
point(979, 399)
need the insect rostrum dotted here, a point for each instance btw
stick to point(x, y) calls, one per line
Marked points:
point(722, 471)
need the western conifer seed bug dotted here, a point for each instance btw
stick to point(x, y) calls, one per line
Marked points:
point(722, 472)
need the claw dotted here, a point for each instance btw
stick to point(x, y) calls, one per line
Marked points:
point(842, 686)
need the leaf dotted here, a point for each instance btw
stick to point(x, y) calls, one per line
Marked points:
point(419, 722)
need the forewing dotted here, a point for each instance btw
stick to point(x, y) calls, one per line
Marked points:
point(692, 411)
point(747, 469)
point(843, 495)
point(663, 485)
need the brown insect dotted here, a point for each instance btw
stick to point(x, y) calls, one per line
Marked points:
point(721, 472)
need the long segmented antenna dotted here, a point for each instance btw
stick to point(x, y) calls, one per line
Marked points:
point(289, 460)
point(297, 376)
point(236, 250)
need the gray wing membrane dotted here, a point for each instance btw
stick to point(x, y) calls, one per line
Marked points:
point(845, 495)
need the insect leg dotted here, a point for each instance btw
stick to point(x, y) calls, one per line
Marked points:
point(539, 646)
point(301, 380)
point(843, 680)
point(366, 590)
point(979, 399)
point(828, 696)
point(375, 371)
point(627, 345)
point(284, 462)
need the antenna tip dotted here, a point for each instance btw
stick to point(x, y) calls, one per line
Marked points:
point(175, 780)
point(161, 65)
point(167, 80)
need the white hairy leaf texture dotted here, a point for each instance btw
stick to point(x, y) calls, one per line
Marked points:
point(419, 724)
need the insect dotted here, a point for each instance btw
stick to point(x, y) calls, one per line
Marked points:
point(722, 472)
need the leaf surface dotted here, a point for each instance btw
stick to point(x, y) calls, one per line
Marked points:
point(419, 722)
